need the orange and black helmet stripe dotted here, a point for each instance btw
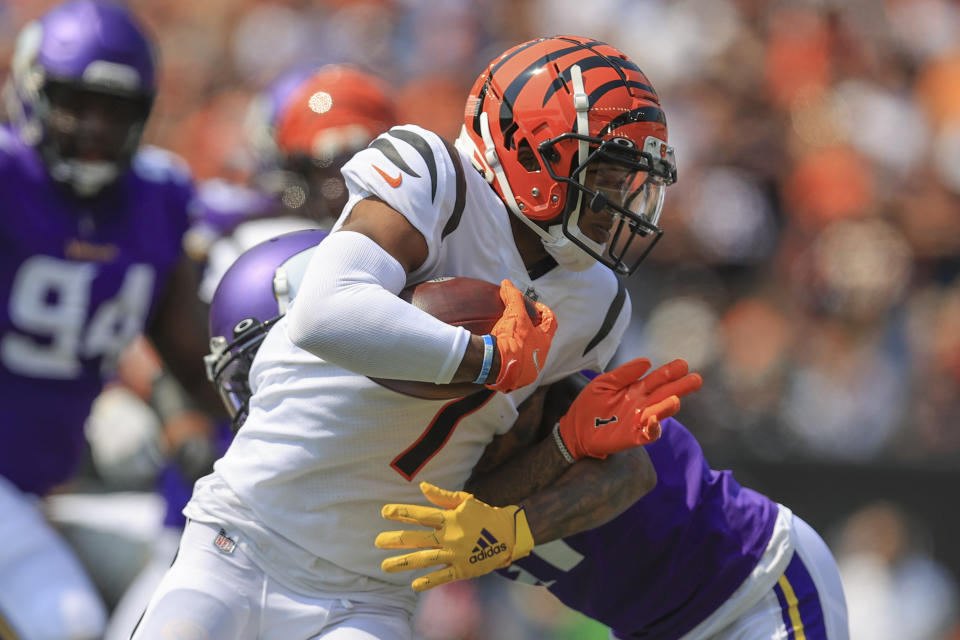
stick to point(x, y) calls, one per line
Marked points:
point(596, 61)
point(508, 125)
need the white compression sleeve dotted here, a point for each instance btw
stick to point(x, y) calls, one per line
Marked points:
point(347, 312)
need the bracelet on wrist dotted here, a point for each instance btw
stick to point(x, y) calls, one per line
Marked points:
point(487, 359)
point(558, 439)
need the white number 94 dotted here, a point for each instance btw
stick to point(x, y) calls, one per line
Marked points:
point(51, 298)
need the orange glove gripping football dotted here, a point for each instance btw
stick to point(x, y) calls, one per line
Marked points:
point(523, 345)
point(621, 409)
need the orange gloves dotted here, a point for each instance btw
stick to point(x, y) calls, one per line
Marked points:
point(523, 345)
point(620, 409)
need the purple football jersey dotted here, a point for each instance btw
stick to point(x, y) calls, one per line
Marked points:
point(78, 280)
point(220, 206)
point(669, 560)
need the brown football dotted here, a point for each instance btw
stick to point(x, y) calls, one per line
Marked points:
point(470, 303)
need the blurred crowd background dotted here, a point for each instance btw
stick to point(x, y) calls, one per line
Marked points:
point(811, 263)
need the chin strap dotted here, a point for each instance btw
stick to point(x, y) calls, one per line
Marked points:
point(464, 143)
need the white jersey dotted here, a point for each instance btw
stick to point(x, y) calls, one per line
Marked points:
point(323, 449)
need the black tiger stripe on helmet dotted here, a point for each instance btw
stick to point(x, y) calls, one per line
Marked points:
point(596, 60)
point(510, 94)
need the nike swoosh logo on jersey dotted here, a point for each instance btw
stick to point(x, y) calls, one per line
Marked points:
point(393, 182)
point(599, 422)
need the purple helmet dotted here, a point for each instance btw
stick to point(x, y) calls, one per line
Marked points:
point(82, 83)
point(252, 295)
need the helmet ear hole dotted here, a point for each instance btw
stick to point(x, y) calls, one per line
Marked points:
point(526, 157)
point(243, 325)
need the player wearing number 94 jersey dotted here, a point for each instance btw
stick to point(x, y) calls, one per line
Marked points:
point(549, 201)
point(89, 238)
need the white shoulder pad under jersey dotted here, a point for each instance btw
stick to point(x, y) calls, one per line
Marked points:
point(593, 311)
point(603, 343)
point(416, 172)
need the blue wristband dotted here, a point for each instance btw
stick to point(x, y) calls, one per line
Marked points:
point(487, 359)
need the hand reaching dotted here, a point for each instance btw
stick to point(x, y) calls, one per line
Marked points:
point(621, 409)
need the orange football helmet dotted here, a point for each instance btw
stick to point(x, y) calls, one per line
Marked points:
point(338, 109)
point(332, 114)
point(552, 119)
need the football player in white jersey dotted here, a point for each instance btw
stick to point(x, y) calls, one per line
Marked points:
point(554, 188)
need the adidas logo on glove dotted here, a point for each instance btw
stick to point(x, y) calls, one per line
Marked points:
point(487, 547)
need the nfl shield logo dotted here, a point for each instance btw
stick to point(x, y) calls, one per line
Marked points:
point(222, 542)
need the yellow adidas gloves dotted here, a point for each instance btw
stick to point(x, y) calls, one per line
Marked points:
point(468, 536)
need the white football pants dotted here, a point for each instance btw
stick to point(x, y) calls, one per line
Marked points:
point(212, 594)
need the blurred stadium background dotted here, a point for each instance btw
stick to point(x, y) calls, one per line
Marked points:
point(811, 263)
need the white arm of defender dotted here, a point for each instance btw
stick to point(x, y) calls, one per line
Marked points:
point(348, 313)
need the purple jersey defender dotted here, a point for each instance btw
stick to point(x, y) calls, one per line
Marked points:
point(693, 540)
point(90, 231)
point(79, 279)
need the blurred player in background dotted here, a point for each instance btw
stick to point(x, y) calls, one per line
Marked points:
point(221, 205)
point(91, 257)
point(304, 127)
point(552, 200)
point(697, 557)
